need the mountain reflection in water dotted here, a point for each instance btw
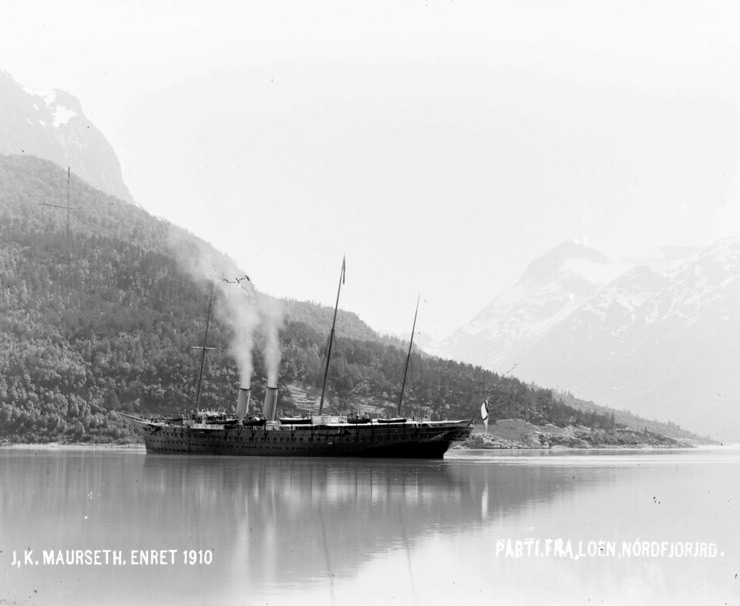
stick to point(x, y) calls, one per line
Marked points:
point(285, 530)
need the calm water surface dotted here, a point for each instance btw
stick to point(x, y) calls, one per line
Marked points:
point(286, 531)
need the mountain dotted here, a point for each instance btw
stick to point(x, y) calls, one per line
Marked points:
point(349, 325)
point(552, 287)
point(51, 125)
point(111, 327)
point(656, 339)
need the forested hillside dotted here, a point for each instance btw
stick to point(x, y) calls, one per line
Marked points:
point(111, 327)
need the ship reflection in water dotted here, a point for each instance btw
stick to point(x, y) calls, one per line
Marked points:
point(323, 531)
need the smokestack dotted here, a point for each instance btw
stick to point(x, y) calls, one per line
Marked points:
point(242, 402)
point(270, 403)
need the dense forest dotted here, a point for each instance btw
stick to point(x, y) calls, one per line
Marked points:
point(105, 321)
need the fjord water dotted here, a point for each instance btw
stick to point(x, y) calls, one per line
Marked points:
point(332, 531)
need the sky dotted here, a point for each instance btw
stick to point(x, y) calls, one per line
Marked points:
point(441, 145)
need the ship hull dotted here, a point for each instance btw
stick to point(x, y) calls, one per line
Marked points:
point(410, 440)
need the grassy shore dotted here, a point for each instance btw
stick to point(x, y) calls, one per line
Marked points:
point(515, 433)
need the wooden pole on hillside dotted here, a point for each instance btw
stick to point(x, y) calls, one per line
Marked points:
point(68, 208)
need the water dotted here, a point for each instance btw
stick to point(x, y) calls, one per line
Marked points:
point(289, 531)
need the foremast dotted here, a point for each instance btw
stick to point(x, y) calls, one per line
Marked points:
point(204, 349)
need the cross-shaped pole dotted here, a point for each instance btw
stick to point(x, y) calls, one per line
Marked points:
point(69, 251)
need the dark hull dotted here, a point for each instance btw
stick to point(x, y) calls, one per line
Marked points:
point(410, 440)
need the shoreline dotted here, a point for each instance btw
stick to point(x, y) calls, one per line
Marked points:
point(509, 434)
point(561, 448)
point(456, 451)
point(136, 448)
point(502, 435)
point(69, 446)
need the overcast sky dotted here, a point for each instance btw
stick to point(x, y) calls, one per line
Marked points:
point(440, 145)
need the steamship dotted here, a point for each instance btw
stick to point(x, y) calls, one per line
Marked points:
point(318, 436)
point(322, 435)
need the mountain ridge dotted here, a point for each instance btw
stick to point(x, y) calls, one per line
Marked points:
point(51, 124)
point(551, 288)
point(653, 340)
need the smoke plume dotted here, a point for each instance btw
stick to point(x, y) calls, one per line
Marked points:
point(271, 316)
point(235, 307)
point(237, 304)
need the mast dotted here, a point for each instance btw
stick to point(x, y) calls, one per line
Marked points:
point(408, 356)
point(204, 349)
point(331, 335)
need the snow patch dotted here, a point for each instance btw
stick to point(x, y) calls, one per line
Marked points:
point(595, 273)
point(62, 115)
point(47, 95)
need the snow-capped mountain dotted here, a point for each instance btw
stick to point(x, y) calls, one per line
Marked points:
point(551, 288)
point(661, 339)
point(52, 125)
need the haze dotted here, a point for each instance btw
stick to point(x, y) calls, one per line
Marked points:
point(440, 145)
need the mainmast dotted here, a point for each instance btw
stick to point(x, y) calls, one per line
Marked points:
point(204, 348)
point(331, 335)
point(408, 356)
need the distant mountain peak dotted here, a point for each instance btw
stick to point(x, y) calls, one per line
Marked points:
point(552, 287)
point(51, 124)
point(656, 335)
point(561, 278)
point(62, 105)
point(567, 256)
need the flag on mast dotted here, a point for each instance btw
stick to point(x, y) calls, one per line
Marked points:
point(484, 413)
point(344, 267)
